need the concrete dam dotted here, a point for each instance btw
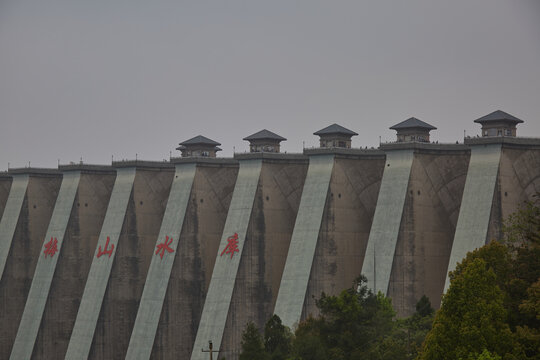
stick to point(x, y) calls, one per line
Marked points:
point(152, 260)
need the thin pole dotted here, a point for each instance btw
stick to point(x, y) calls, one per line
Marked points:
point(210, 349)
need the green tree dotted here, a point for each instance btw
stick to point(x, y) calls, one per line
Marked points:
point(349, 325)
point(528, 334)
point(404, 341)
point(277, 339)
point(502, 282)
point(423, 307)
point(485, 355)
point(523, 226)
point(252, 344)
point(307, 342)
point(472, 317)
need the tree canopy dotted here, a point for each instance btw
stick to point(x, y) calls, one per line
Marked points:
point(492, 307)
point(356, 324)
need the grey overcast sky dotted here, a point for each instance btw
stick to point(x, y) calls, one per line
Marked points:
point(96, 79)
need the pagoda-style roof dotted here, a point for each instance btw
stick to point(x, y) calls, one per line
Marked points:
point(182, 147)
point(498, 116)
point(264, 135)
point(335, 129)
point(413, 123)
point(200, 140)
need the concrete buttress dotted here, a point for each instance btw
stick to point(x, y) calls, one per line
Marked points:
point(294, 281)
point(11, 217)
point(46, 265)
point(384, 232)
point(157, 279)
point(26, 245)
point(475, 211)
point(98, 277)
point(218, 298)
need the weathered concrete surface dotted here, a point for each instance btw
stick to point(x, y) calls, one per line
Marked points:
point(219, 295)
point(296, 274)
point(100, 270)
point(518, 181)
point(46, 265)
point(135, 248)
point(265, 251)
point(25, 249)
point(157, 279)
point(427, 227)
point(80, 242)
point(475, 209)
point(5, 185)
point(195, 255)
point(384, 232)
point(345, 226)
point(8, 223)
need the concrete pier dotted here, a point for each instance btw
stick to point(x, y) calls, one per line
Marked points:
point(218, 298)
point(346, 223)
point(504, 172)
point(98, 277)
point(26, 245)
point(5, 185)
point(268, 236)
point(157, 279)
point(46, 265)
point(518, 181)
point(10, 217)
point(384, 232)
point(294, 281)
point(199, 240)
point(428, 224)
point(475, 210)
point(347, 204)
point(80, 241)
point(116, 279)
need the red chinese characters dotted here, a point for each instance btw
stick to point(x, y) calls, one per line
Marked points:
point(232, 245)
point(164, 246)
point(105, 251)
point(51, 247)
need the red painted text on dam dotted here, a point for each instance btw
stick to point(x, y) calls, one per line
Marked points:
point(105, 251)
point(164, 246)
point(232, 245)
point(51, 247)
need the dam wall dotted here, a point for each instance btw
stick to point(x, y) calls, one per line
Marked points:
point(5, 186)
point(304, 223)
point(24, 246)
point(8, 223)
point(518, 181)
